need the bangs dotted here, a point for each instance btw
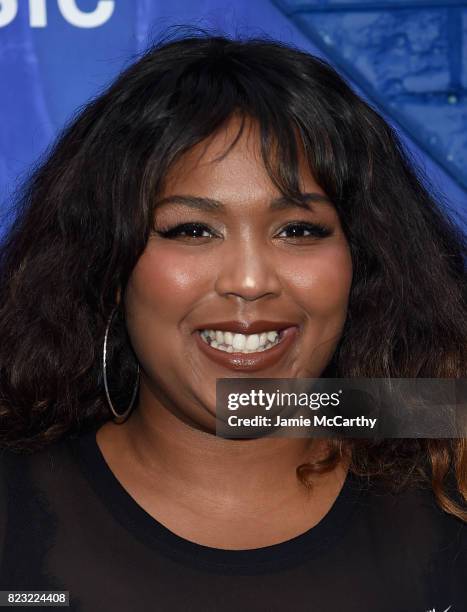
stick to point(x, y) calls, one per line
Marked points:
point(198, 101)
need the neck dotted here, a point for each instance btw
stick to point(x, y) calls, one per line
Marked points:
point(234, 474)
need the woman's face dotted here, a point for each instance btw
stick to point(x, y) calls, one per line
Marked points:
point(244, 255)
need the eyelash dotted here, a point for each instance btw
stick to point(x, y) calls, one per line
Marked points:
point(316, 229)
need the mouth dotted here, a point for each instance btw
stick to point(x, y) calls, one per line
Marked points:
point(246, 352)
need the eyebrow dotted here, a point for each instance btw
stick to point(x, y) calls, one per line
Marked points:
point(305, 201)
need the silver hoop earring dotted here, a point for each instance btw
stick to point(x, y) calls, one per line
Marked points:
point(118, 417)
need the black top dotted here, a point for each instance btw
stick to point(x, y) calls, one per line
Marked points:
point(66, 523)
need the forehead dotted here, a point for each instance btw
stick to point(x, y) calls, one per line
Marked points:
point(229, 166)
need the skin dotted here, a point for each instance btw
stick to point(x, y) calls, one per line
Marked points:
point(231, 494)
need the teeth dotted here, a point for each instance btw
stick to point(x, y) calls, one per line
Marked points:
point(241, 343)
point(252, 342)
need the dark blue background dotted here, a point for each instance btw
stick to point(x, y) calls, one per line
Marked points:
point(408, 58)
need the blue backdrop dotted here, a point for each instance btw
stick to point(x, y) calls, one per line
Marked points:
point(408, 58)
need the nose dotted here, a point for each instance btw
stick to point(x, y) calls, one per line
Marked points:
point(247, 271)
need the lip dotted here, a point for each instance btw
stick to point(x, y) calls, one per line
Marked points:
point(249, 362)
point(243, 327)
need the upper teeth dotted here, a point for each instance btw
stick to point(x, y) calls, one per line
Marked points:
point(228, 341)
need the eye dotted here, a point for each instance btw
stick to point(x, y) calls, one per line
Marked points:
point(303, 230)
point(187, 231)
point(196, 231)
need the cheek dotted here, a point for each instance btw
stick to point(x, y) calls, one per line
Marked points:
point(165, 283)
point(322, 281)
point(162, 288)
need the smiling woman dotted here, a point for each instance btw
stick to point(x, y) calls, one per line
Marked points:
point(230, 259)
point(227, 208)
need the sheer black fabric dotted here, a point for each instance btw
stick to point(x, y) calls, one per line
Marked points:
point(66, 523)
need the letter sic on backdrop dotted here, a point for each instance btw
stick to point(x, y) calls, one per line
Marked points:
point(68, 8)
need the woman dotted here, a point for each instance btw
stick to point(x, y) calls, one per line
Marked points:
point(225, 209)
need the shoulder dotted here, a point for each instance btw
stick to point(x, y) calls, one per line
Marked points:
point(26, 476)
point(18, 464)
point(414, 509)
point(411, 524)
point(29, 485)
point(407, 534)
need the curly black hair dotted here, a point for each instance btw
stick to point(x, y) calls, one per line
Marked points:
point(85, 215)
